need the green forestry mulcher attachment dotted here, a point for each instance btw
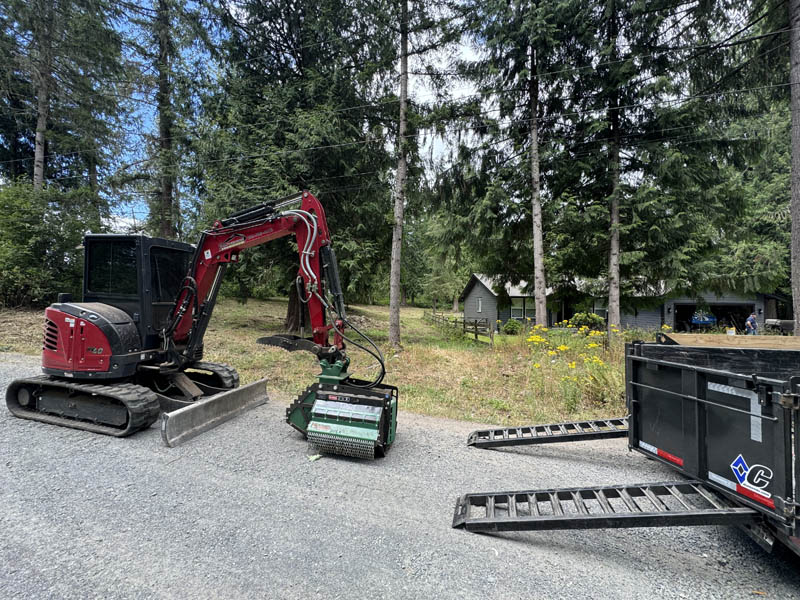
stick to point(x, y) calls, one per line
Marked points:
point(342, 415)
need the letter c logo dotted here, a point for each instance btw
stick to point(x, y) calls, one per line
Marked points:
point(759, 476)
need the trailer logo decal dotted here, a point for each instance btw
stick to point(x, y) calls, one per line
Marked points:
point(755, 478)
point(750, 481)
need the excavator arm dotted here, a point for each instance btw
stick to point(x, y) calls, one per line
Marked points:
point(340, 414)
point(261, 224)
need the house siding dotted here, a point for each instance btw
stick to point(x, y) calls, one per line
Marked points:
point(488, 304)
point(642, 319)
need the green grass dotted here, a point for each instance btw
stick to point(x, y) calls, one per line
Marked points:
point(438, 372)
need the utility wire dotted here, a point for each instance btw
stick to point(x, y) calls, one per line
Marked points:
point(708, 47)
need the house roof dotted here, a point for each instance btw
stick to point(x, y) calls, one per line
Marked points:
point(490, 283)
point(597, 288)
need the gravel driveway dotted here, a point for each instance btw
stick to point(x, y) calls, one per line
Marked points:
point(241, 512)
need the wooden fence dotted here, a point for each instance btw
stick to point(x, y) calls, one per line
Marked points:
point(471, 327)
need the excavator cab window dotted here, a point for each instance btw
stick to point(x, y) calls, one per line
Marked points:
point(113, 268)
point(168, 267)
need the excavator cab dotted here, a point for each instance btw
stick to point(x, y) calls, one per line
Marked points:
point(137, 274)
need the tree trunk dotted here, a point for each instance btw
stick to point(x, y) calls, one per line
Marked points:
point(18, 164)
point(614, 165)
point(539, 282)
point(400, 184)
point(455, 303)
point(164, 209)
point(41, 128)
point(794, 80)
point(96, 202)
point(292, 322)
point(43, 40)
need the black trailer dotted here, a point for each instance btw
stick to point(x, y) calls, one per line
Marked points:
point(727, 418)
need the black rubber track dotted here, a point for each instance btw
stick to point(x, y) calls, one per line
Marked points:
point(228, 377)
point(141, 403)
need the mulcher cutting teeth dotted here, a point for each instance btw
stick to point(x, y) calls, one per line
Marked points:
point(325, 443)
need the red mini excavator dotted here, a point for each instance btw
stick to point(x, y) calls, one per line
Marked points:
point(133, 348)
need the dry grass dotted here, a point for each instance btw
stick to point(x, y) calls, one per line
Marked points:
point(437, 373)
point(21, 330)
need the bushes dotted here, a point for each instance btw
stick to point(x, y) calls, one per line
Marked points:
point(40, 236)
point(586, 319)
point(512, 327)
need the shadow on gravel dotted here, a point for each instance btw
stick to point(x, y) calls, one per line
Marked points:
point(573, 455)
point(626, 547)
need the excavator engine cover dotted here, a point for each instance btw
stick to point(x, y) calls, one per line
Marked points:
point(343, 418)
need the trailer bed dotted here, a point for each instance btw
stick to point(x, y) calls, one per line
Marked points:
point(726, 417)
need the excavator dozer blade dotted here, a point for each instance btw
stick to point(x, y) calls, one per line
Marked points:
point(185, 423)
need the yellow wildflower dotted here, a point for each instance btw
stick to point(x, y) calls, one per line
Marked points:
point(562, 348)
point(571, 365)
point(537, 366)
point(593, 345)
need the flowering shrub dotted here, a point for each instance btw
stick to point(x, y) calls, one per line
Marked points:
point(577, 365)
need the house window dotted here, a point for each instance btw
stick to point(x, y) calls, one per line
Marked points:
point(517, 309)
point(600, 307)
point(480, 304)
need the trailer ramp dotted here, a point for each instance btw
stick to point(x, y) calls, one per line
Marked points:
point(543, 434)
point(642, 505)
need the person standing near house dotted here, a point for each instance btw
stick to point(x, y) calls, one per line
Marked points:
point(751, 325)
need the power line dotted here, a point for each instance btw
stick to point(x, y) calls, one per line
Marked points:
point(552, 116)
point(708, 47)
point(515, 121)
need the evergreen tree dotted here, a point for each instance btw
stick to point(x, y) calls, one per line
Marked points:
point(172, 47)
point(61, 61)
point(303, 103)
point(497, 186)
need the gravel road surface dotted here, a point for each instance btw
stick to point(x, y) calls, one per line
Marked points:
point(241, 512)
